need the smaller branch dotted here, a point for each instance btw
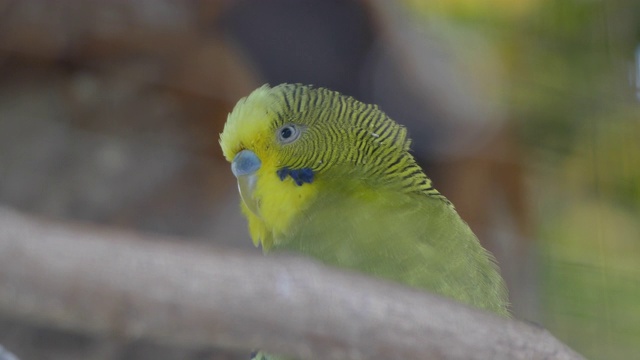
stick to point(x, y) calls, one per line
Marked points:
point(127, 285)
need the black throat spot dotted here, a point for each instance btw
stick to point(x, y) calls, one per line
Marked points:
point(299, 176)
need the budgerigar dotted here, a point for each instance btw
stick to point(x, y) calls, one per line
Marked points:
point(330, 177)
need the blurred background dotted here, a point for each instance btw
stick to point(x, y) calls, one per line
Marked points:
point(525, 113)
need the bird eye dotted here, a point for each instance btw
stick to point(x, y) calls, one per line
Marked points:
point(288, 134)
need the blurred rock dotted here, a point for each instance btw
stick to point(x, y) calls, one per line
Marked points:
point(110, 113)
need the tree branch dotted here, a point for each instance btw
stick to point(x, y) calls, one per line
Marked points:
point(125, 284)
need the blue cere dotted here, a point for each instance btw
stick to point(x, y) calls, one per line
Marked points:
point(300, 176)
point(244, 163)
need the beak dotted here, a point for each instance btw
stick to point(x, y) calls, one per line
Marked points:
point(244, 166)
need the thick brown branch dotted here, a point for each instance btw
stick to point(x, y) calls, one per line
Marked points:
point(124, 284)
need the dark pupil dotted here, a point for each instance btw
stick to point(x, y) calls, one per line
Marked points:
point(286, 133)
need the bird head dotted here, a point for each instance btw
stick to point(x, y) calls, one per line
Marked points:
point(288, 142)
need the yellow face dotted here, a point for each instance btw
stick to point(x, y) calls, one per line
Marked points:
point(287, 142)
point(256, 141)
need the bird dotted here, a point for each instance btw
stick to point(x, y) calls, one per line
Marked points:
point(327, 176)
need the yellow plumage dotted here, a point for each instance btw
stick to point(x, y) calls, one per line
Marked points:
point(246, 129)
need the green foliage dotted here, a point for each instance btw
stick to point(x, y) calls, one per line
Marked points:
point(568, 65)
point(590, 276)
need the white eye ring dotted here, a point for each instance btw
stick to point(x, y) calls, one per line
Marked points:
point(288, 133)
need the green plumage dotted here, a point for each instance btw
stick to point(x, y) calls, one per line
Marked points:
point(369, 207)
point(410, 238)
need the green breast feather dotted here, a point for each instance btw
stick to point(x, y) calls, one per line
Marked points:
point(411, 238)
